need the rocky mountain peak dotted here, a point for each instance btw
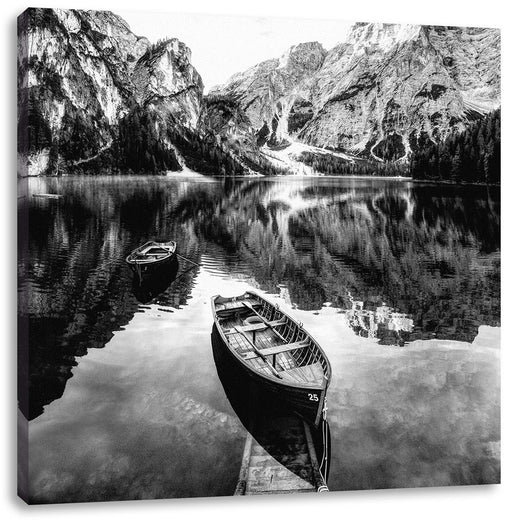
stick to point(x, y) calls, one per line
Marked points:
point(303, 57)
point(86, 82)
point(165, 77)
point(367, 36)
point(269, 90)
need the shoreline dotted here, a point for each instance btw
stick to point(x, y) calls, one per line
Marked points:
point(193, 174)
point(451, 182)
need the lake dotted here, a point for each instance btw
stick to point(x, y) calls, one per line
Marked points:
point(398, 281)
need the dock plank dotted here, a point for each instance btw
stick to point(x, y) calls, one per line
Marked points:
point(281, 461)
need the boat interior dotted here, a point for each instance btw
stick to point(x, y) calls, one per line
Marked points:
point(153, 251)
point(269, 341)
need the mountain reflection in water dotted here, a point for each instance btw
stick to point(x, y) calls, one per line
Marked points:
point(421, 261)
point(391, 327)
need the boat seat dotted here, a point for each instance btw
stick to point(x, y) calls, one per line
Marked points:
point(255, 327)
point(276, 350)
point(312, 374)
point(234, 304)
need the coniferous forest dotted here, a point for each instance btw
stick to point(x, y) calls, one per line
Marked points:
point(335, 165)
point(470, 156)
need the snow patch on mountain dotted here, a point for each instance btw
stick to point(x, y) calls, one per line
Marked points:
point(288, 157)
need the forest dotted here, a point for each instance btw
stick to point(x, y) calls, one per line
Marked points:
point(470, 156)
point(330, 164)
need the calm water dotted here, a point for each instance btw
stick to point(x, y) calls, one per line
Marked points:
point(399, 282)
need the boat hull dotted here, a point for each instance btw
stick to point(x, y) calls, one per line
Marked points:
point(150, 284)
point(262, 418)
point(264, 394)
point(149, 266)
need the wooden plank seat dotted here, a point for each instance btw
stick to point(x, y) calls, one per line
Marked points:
point(313, 374)
point(276, 350)
point(254, 327)
point(235, 304)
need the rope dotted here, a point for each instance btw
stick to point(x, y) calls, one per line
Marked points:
point(325, 453)
point(182, 274)
point(186, 259)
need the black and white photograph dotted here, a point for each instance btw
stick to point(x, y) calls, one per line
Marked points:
point(257, 255)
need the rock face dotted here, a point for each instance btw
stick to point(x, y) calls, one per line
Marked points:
point(387, 89)
point(276, 91)
point(81, 73)
point(165, 80)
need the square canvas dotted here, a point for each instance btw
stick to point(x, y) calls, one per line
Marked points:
point(255, 256)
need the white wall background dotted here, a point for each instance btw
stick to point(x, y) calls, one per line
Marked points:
point(458, 504)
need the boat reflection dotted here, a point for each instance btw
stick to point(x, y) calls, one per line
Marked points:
point(151, 284)
point(280, 437)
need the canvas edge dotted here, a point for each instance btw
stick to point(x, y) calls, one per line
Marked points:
point(22, 239)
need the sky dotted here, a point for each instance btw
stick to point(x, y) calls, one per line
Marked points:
point(223, 45)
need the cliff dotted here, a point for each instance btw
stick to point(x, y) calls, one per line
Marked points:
point(81, 75)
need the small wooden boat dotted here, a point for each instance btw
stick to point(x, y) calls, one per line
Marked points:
point(274, 352)
point(151, 255)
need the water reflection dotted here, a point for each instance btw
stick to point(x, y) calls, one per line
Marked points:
point(429, 252)
point(422, 261)
point(389, 326)
point(149, 286)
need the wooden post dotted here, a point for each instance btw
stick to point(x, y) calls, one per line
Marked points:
point(244, 468)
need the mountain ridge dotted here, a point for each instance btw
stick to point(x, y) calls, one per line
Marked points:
point(385, 83)
point(93, 96)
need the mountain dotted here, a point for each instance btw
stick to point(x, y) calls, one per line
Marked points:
point(94, 97)
point(384, 92)
point(270, 89)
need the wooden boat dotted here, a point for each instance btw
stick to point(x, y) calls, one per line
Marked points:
point(274, 352)
point(150, 255)
point(283, 453)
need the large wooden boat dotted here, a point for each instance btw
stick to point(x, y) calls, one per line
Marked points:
point(151, 254)
point(274, 352)
point(283, 453)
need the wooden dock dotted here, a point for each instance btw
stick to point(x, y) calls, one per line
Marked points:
point(280, 459)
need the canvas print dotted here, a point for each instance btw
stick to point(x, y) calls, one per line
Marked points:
point(255, 256)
